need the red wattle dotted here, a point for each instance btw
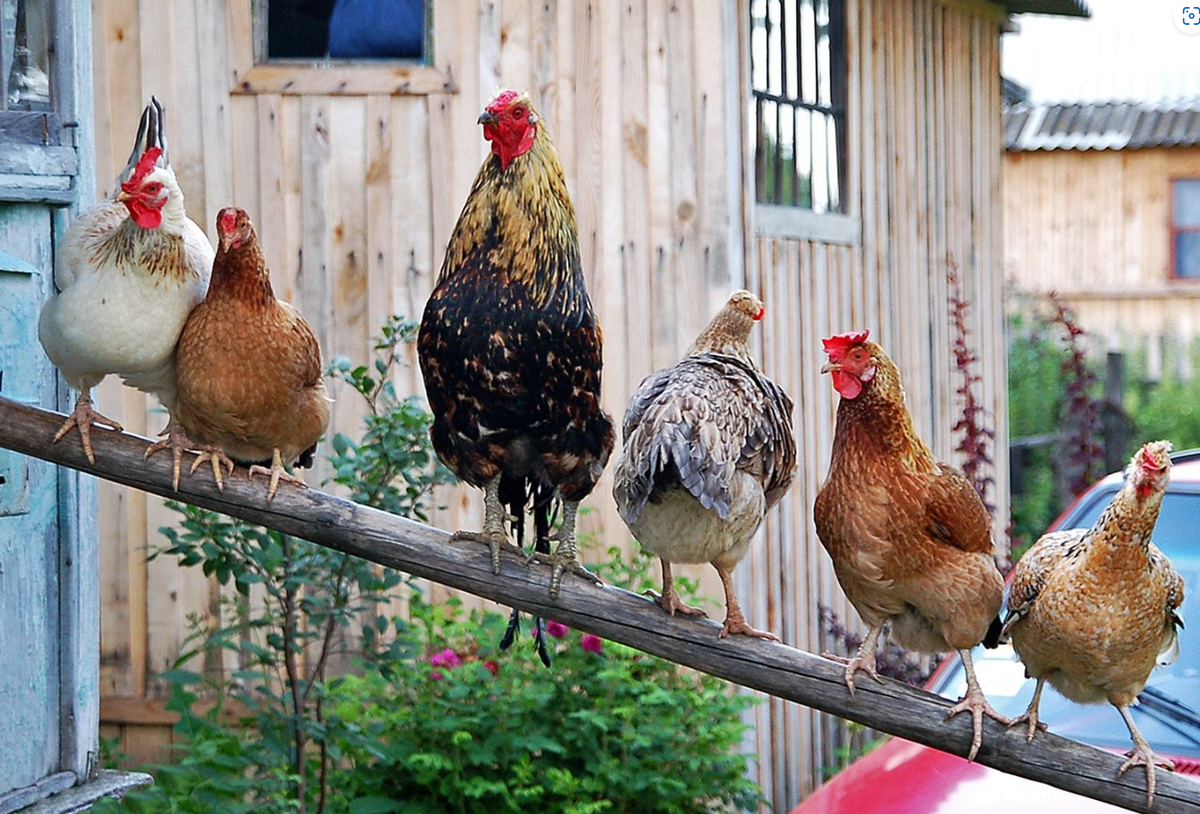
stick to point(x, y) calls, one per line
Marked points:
point(847, 384)
point(144, 216)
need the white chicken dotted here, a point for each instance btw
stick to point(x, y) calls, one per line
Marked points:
point(129, 271)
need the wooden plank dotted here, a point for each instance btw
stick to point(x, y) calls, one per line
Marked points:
point(605, 611)
point(368, 79)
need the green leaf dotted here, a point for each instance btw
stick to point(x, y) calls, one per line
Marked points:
point(374, 805)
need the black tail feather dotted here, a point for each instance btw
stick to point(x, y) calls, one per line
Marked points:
point(516, 494)
point(991, 639)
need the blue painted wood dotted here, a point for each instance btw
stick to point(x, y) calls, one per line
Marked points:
point(49, 597)
point(29, 542)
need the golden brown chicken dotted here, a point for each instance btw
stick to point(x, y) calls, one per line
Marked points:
point(1093, 610)
point(708, 451)
point(251, 389)
point(909, 536)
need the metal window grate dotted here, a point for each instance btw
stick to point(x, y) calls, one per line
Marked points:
point(797, 77)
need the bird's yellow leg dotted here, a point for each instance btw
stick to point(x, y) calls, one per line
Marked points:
point(276, 473)
point(670, 600)
point(1141, 755)
point(863, 660)
point(1030, 715)
point(83, 417)
point(218, 458)
point(178, 442)
point(493, 524)
point(566, 554)
point(735, 620)
point(975, 703)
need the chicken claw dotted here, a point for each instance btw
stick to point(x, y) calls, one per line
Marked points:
point(975, 703)
point(1142, 755)
point(276, 473)
point(1030, 715)
point(178, 442)
point(566, 554)
point(863, 660)
point(218, 458)
point(493, 524)
point(83, 417)
point(735, 620)
point(669, 600)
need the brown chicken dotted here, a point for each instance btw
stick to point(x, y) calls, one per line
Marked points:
point(509, 346)
point(909, 536)
point(708, 451)
point(1093, 610)
point(251, 389)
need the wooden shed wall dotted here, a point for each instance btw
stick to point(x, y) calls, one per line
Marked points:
point(924, 146)
point(1094, 225)
point(355, 196)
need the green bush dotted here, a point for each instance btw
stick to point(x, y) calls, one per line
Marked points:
point(437, 720)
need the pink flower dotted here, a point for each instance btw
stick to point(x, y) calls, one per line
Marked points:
point(592, 643)
point(556, 629)
point(445, 658)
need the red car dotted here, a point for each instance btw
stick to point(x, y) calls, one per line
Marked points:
point(921, 780)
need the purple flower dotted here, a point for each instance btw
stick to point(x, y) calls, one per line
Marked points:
point(445, 658)
point(556, 629)
point(592, 643)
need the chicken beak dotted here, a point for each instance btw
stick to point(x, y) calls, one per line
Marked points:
point(123, 196)
point(487, 117)
point(830, 367)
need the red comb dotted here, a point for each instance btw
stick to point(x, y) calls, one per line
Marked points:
point(228, 220)
point(502, 101)
point(837, 345)
point(144, 166)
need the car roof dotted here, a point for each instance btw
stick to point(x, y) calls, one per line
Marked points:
point(1185, 468)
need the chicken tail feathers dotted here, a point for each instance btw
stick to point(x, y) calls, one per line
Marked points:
point(518, 494)
point(992, 638)
point(307, 457)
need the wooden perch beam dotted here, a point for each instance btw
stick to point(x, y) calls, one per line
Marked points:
point(612, 613)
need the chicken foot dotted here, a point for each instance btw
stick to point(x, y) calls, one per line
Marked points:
point(863, 660)
point(493, 524)
point(178, 442)
point(218, 459)
point(735, 620)
point(1030, 715)
point(1141, 755)
point(83, 417)
point(276, 473)
point(975, 703)
point(566, 554)
point(670, 600)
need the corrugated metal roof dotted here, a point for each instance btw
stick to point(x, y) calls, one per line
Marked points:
point(1107, 126)
point(1062, 8)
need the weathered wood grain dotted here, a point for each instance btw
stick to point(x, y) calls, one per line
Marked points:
point(778, 670)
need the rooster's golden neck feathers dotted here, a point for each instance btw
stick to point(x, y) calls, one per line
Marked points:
point(729, 331)
point(518, 220)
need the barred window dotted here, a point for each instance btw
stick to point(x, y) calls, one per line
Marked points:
point(1185, 228)
point(798, 79)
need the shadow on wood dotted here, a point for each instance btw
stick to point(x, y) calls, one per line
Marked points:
point(608, 612)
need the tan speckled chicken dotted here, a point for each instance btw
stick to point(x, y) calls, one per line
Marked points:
point(251, 384)
point(708, 451)
point(909, 537)
point(1092, 610)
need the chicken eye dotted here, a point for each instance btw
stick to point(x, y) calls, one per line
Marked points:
point(153, 188)
point(519, 113)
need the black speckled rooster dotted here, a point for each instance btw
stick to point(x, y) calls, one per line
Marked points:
point(510, 348)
